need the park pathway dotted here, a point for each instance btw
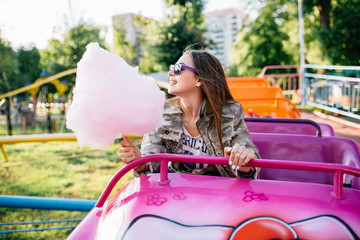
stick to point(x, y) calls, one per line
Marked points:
point(341, 127)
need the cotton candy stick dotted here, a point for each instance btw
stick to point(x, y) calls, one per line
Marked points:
point(111, 99)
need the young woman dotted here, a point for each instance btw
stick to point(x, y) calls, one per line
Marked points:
point(203, 119)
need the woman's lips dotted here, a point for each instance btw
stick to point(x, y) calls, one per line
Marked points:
point(172, 82)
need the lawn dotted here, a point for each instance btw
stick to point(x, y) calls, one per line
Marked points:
point(53, 169)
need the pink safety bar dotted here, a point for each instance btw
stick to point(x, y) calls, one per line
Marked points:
point(337, 169)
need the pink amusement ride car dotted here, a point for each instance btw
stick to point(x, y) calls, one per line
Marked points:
point(308, 188)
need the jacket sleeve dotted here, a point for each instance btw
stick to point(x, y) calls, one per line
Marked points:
point(151, 144)
point(241, 136)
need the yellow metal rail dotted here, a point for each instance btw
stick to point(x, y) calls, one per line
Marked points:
point(38, 83)
point(37, 138)
point(33, 138)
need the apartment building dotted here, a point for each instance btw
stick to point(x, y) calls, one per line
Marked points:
point(128, 23)
point(223, 26)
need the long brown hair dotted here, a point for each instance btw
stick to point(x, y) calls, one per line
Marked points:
point(215, 88)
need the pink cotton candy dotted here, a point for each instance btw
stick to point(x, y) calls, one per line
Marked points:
point(112, 99)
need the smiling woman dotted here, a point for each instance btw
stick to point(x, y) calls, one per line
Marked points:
point(203, 119)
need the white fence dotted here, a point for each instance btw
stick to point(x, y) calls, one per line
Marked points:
point(337, 90)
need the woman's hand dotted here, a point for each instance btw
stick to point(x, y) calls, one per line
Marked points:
point(238, 156)
point(129, 152)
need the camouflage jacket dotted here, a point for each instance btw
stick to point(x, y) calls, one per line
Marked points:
point(168, 137)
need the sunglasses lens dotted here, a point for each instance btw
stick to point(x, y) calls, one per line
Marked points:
point(177, 69)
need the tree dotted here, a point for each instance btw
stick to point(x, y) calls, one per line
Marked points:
point(342, 37)
point(336, 23)
point(29, 65)
point(8, 66)
point(17, 68)
point(184, 26)
point(148, 36)
point(136, 43)
point(66, 53)
point(323, 7)
point(263, 43)
point(123, 46)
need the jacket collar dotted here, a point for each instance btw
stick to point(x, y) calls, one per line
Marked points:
point(229, 109)
point(172, 106)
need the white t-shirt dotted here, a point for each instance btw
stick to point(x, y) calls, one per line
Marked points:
point(194, 146)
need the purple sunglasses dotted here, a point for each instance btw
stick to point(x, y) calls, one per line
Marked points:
point(177, 68)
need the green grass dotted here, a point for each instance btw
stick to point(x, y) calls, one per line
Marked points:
point(54, 169)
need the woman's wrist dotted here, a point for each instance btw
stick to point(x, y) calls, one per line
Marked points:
point(248, 174)
point(140, 168)
point(245, 169)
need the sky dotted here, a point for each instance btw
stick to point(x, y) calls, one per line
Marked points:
point(23, 22)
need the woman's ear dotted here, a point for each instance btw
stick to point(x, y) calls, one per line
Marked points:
point(198, 83)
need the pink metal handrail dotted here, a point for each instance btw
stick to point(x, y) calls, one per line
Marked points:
point(262, 74)
point(289, 75)
point(337, 169)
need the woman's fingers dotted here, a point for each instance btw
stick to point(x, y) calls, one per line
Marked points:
point(239, 156)
point(126, 155)
point(128, 150)
point(234, 150)
point(125, 142)
point(227, 151)
point(127, 160)
point(248, 155)
point(238, 159)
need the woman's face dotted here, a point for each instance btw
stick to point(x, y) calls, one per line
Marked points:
point(187, 83)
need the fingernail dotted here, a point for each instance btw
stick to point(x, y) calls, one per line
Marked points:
point(230, 162)
point(233, 167)
point(238, 168)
